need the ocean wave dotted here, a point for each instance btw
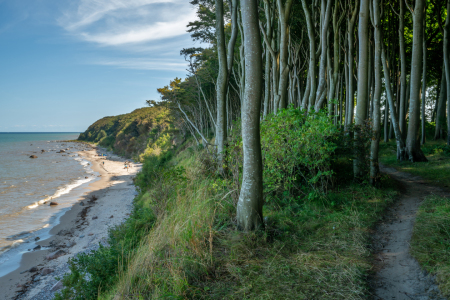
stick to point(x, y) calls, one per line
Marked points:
point(62, 191)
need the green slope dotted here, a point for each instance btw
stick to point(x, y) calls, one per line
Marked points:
point(143, 132)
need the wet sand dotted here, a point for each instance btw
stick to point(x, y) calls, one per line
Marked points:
point(81, 228)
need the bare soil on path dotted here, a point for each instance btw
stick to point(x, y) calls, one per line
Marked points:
point(398, 275)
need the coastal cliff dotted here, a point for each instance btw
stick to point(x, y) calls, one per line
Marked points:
point(143, 132)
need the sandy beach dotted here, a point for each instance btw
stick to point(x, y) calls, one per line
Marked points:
point(81, 229)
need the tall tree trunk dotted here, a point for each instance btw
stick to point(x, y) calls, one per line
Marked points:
point(321, 89)
point(447, 66)
point(249, 207)
point(312, 55)
point(403, 86)
point(440, 113)
point(283, 15)
point(401, 151)
point(221, 86)
point(424, 81)
point(267, 78)
point(413, 150)
point(374, 147)
point(351, 90)
point(362, 96)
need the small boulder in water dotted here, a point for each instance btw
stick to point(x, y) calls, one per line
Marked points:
point(38, 247)
point(37, 238)
point(33, 156)
point(42, 151)
point(53, 203)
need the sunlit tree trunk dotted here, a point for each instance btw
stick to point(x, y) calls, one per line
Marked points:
point(249, 207)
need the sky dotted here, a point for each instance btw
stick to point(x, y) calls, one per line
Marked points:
point(65, 64)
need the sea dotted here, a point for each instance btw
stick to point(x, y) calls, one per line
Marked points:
point(28, 185)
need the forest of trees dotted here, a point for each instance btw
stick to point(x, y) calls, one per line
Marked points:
point(382, 65)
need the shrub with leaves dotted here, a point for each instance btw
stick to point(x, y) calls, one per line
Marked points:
point(297, 152)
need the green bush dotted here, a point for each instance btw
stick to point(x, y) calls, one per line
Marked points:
point(298, 151)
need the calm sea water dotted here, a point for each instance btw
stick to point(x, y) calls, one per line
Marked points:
point(27, 185)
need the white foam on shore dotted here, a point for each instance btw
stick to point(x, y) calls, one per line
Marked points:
point(11, 256)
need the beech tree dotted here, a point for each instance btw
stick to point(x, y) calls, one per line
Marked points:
point(249, 207)
point(413, 150)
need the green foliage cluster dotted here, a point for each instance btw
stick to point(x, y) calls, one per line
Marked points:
point(299, 153)
point(430, 243)
point(143, 132)
point(298, 148)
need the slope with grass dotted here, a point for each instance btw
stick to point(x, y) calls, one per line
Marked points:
point(182, 242)
point(143, 132)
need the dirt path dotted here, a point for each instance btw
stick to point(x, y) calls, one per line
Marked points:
point(398, 274)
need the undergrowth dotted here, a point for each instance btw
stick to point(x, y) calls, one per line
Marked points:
point(315, 244)
point(430, 243)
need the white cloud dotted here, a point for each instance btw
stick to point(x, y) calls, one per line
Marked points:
point(145, 64)
point(122, 22)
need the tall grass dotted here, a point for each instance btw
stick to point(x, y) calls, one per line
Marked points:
point(430, 243)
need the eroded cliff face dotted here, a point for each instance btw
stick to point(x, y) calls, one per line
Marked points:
point(143, 132)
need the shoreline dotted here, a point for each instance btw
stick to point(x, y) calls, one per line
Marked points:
point(80, 229)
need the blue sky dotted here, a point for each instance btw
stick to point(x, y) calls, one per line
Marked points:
point(65, 64)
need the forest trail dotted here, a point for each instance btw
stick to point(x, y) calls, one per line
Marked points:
point(398, 275)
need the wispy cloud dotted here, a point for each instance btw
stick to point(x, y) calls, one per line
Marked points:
point(122, 22)
point(144, 64)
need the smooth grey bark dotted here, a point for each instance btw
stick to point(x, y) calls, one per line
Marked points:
point(413, 150)
point(321, 88)
point(376, 112)
point(283, 16)
point(233, 37)
point(447, 66)
point(440, 112)
point(362, 95)
point(221, 85)
point(403, 86)
point(250, 203)
point(351, 89)
point(312, 56)
point(267, 77)
point(424, 82)
point(401, 151)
